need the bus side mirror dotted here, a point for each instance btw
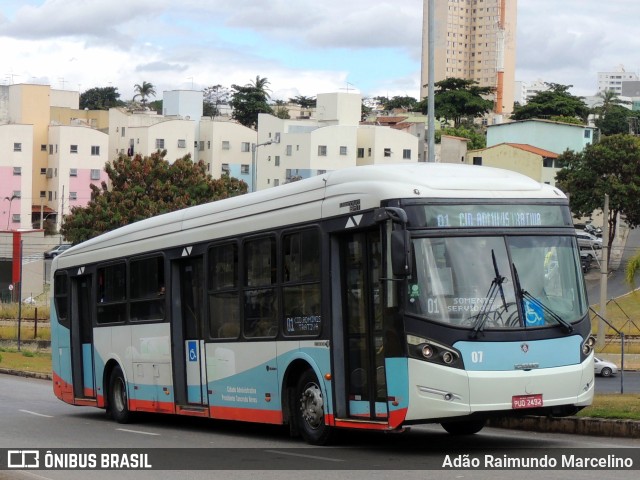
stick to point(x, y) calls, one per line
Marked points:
point(401, 260)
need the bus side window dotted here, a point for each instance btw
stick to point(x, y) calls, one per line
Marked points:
point(260, 301)
point(224, 306)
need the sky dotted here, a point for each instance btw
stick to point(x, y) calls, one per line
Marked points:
point(302, 47)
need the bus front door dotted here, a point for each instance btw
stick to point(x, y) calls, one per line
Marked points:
point(365, 379)
point(82, 338)
point(188, 344)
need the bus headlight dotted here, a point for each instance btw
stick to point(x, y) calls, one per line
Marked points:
point(434, 352)
point(587, 346)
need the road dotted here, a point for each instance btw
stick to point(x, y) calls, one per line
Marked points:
point(31, 417)
point(613, 384)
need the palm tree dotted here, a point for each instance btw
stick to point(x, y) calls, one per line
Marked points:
point(143, 91)
point(609, 98)
point(260, 84)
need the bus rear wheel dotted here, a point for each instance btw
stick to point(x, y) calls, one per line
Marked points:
point(118, 399)
point(469, 427)
point(309, 410)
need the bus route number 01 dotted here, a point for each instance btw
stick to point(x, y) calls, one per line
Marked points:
point(477, 357)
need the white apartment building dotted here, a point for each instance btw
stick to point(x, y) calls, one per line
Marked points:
point(146, 132)
point(524, 91)
point(613, 80)
point(290, 150)
point(225, 147)
point(77, 158)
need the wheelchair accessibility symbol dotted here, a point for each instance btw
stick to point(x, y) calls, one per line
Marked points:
point(192, 348)
point(534, 315)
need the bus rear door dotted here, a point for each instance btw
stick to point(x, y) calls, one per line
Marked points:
point(82, 356)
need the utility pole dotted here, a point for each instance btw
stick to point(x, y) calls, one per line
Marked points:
point(431, 115)
point(604, 272)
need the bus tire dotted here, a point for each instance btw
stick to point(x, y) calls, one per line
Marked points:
point(118, 398)
point(469, 427)
point(309, 410)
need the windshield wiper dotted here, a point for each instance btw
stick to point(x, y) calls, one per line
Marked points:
point(494, 288)
point(522, 295)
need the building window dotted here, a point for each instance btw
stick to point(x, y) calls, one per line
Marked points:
point(343, 150)
point(225, 168)
point(73, 149)
point(276, 182)
point(361, 153)
point(225, 145)
point(477, 160)
point(406, 154)
point(95, 150)
point(387, 152)
point(43, 148)
point(182, 143)
point(43, 194)
point(369, 152)
point(15, 218)
point(17, 193)
point(322, 150)
point(123, 131)
point(95, 174)
point(208, 144)
point(73, 195)
point(50, 149)
point(587, 134)
point(17, 147)
point(289, 151)
point(547, 162)
point(201, 147)
point(244, 168)
point(245, 147)
point(277, 160)
point(17, 171)
point(73, 172)
point(160, 143)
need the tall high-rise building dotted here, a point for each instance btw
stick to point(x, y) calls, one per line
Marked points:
point(474, 40)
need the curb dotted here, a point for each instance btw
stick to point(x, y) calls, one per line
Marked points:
point(600, 427)
point(21, 373)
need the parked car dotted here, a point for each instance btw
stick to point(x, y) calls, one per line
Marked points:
point(604, 368)
point(588, 241)
point(585, 259)
point(57, 250)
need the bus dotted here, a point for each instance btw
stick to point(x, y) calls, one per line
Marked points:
point(373, 297)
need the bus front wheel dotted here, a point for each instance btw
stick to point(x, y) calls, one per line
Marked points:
point(309, 410)
point(118, 400)
point(469, 427)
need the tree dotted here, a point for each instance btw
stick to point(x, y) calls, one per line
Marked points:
point(214, 96)
point(609, 100)
point(477, 138)
point(616, 120)
point(556, 101)
point(142, 187)
point(457, 98)
point(100, 98)
point(249, 101)
point(304, 102)
point(282, 112)
point(144, 91)
point(401, 102)
point(611, 166)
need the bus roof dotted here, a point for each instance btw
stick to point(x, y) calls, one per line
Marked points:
point(322, 196)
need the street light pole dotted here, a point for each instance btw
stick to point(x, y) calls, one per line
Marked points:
point(254, 163)
point(13, 197)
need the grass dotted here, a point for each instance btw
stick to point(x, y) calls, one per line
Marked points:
point(614, 406)
point(25, 360)
point(9, 311)
point(623, 313)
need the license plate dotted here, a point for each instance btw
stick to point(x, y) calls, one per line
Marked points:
point(526, 401)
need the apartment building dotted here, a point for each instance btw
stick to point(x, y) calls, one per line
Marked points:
point(613, 80)
point(290, 150)
point(16, 152)
point(226, 148)
point(474, 40)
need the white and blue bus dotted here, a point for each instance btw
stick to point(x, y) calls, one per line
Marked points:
point(369, 298)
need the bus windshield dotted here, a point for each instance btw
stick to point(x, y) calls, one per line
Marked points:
point(470, 281)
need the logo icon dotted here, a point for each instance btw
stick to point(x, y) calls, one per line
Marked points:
point(524, 347)
point(23, 459)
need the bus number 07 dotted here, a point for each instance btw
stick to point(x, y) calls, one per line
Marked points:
point(477, 357)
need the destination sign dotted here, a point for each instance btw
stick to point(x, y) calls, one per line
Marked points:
point(489, 216)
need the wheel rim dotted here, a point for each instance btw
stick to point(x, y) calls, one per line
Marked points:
point(119, 395)
point(312, 405)
point(606, 372)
